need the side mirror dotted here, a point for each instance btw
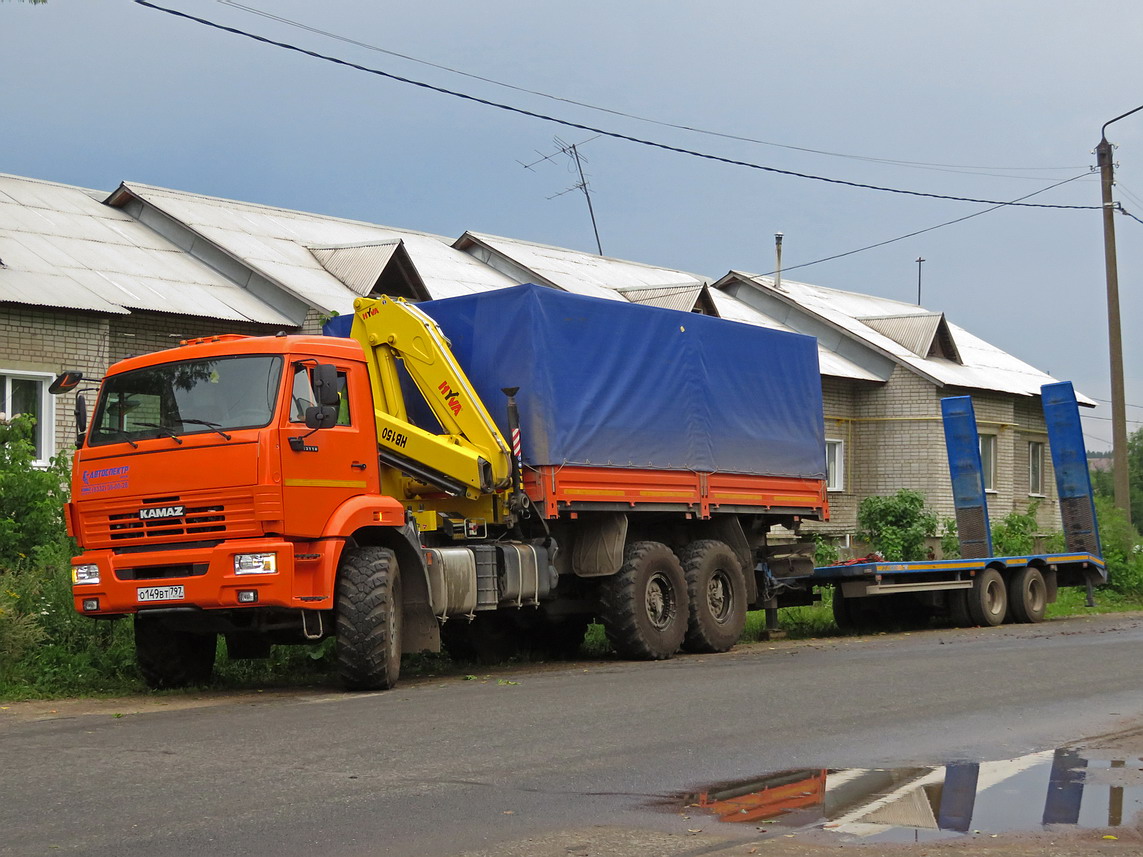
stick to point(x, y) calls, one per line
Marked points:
point(325, 386)
point(80, 419)
point(321, 416)
point(65, 382)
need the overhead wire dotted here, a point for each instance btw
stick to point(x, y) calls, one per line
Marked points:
point(926, 229)
point(603, 132)
point(954, 168)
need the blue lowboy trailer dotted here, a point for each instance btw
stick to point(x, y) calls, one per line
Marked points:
point(981, 588)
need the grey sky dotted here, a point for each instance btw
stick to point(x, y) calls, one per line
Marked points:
point(101, 92)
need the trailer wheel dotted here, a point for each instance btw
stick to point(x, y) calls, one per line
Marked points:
point(368, 607)
point(1028, 595)
point(857, 615)
point(644, 605)
point(172, 658)
point(988, 598)
point(716, 590)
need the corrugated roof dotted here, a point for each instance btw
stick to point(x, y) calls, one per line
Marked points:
point(682, 298)
point(578, 272)
point(62, 248)
point(358, 265)
point(915, 332)
point(275, 243)
point(983, 366)
point(829, 363)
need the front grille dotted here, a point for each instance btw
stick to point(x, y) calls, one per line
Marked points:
point(196, 520)
point(163, 572)
point(206, 517)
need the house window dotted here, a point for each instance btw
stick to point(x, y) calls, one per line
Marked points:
point(988, 460)
point(1036, 468)
point(27, 393)
point(835, 465)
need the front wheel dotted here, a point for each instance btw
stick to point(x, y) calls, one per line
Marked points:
point(368, 608)
point(988, 598)
point(172, 658)
point(717, 593)
point(643, 607)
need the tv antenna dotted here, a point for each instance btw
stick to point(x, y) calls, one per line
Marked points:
point(575, 162)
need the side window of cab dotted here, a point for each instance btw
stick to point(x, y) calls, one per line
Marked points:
point(302, 395)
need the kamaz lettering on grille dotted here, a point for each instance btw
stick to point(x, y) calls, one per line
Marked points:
point(154, 513)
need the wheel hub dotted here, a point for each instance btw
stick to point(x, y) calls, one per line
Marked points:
point(661, 604)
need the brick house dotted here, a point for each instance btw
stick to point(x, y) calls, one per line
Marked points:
point(884, 429)
point(87, 278)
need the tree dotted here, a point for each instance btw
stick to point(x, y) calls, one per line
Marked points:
point(1103, 481)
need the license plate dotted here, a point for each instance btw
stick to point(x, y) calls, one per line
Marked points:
point(160, 593)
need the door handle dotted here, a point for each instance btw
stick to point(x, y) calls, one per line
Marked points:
point(359, 465)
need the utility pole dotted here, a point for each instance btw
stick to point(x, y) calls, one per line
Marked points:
point(1105, 161)
point(919, 261)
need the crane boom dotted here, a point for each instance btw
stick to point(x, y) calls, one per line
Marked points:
point(471, 457)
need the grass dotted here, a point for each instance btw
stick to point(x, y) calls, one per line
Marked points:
point(107, 669)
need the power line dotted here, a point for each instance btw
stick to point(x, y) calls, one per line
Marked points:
point(954, 168)
point(928, 229)
point(613, 134)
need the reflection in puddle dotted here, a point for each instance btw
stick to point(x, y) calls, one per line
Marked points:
point(1081, 788)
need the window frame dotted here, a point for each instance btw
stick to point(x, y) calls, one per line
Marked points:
point(1036, 446)
point(988, 462)
point(45, 439)
point(835, 481)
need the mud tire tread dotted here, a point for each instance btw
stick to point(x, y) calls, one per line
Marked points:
point(368, 609)
point(623, 610)
point(705, 634)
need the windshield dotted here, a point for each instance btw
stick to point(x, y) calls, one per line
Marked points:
point(189, 397)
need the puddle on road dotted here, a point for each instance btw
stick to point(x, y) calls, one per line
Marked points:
point(1075, 788)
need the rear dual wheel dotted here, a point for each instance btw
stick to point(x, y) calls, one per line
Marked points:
point(1027, 595)
point(643, 607)
point(988, 598)
point(716, 591)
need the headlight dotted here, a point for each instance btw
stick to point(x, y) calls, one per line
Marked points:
point(256, 563)
point(85, 573)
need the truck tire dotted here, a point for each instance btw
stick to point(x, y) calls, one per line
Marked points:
point(988, 598)
point(643, 607)
point(172, 658)
point(1028, 595)
point(858, 615)
point(368, 623)
point(716, 590)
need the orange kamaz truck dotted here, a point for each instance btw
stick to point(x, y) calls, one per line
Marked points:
point(556, 459)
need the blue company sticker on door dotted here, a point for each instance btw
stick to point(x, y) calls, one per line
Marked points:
point(106, 479)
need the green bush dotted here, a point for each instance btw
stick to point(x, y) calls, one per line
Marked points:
point(896, 526)
point(1015, 534)
point(31, 499)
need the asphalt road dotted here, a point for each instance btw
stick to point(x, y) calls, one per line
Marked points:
point(581, 750)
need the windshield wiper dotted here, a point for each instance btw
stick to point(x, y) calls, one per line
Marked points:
point(214, 427)
point(167, 430)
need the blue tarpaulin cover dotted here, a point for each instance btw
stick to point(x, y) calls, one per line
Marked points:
point(615, 384)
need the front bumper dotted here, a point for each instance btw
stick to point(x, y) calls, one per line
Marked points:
point(207, 577)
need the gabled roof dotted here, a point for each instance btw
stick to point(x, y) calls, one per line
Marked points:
point(374, 267)
point(275, 244)
point(570, 270)
point(62, 248)
point(685, 298)
point(982, 365)
point(925, 334)
point(829, 362)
